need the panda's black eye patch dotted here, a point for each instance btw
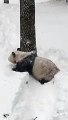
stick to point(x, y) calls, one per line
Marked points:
point(13, 54)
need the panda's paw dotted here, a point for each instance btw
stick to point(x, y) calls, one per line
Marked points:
point(6, 115)
point(14, 69)
point(42, 81)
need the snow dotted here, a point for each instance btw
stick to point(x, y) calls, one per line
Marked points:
point(14, 1)
point(21, 96)
point(40, 1)
point(17, 1)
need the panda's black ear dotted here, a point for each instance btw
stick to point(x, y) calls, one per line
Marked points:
point(18, 49)
point(13, 54)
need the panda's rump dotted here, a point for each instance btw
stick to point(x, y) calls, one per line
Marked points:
point(44, 68)
point(40, 68)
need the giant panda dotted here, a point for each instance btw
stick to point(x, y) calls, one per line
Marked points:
point(42, 69)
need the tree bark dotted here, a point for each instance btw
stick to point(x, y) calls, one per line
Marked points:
point(6, 1)
point(27, 25)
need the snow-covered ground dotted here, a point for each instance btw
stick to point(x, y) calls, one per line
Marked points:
point(21, 96)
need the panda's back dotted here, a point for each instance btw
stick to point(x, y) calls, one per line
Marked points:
point(44, 68)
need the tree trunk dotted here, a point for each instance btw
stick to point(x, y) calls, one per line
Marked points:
point(27, 25)
point(6, 1)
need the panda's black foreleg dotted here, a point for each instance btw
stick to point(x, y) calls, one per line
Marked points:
point(14, 69)
point(21, 66)
point(42, 81)
point(17, 68)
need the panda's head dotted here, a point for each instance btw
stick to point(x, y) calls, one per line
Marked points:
point(17, 56)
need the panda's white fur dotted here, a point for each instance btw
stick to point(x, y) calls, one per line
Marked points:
point(43, 69)
point(19, 55)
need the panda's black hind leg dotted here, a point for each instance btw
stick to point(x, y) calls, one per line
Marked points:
point(42, 81)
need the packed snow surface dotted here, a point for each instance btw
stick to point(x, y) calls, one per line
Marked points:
point(21, 96)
